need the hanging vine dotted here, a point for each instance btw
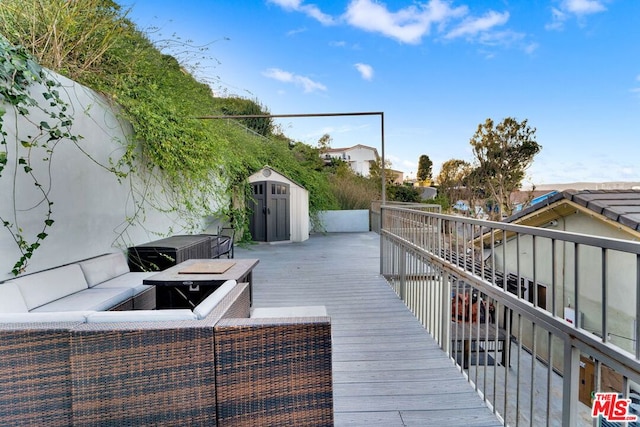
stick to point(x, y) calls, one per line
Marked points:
point(175, 164)
point(18, 73)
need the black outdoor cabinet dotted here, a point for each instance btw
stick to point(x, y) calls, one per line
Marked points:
point(164, 253)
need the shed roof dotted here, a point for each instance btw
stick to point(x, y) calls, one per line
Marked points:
point(259, 176)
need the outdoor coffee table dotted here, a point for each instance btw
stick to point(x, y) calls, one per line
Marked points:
point(186, 284)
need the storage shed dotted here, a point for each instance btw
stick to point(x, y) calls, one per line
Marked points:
point(280, 208)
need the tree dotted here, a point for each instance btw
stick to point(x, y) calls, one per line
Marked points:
point(308, 156)
point(403, 193)
point(375, 172)
point(394, 191)
point(324, 143)
point(452, 179)
point(502, 153)
point(424, 168)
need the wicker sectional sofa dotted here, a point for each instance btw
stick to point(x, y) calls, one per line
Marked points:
point(96, 284)
point(215, 365)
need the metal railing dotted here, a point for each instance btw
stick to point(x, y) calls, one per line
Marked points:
point(536, 319)
point(375, 210)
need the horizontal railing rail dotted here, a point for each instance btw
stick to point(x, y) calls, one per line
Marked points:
point(375, 210)
point(539, 320)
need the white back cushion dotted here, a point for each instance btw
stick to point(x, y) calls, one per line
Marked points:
point(11, 300)
point(140, 315)
point(105, 267)
point(203, 309)
point(50, 285)
point(92, 299)
point(127, 280)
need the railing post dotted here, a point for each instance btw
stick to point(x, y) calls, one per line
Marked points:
point(402, 263)
point(382, 254)
point(570, 376)
point(445, 313)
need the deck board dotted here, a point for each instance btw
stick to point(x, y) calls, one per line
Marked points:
point(387, 370)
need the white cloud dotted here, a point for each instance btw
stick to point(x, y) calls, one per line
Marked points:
point(407, 25)
point(474, 26)
point(310, 10)
point(365, 70)
point(412, 23)
point(287, 4)
point(345, 45)
point(583, 7)
point(296, 31)
point(577, 8)
point(531, 47)
point(306, 83)
point(557, 19)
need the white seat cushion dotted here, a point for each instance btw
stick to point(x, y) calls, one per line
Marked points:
point(301, 311)
point(102, 268)
point(141, 316)
point(128, 280)
point(89, 299)
point(49, 285)
point(203, 309)
point(11, 300)
point(59, 316)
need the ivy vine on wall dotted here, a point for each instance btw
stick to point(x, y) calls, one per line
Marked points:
point(18, 73)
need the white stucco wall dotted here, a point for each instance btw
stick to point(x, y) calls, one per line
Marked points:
point(360, 159)
point(345, 221)
point(90, 207)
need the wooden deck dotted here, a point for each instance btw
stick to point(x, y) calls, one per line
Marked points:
point(387, 370)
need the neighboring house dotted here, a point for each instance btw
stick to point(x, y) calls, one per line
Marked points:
point(360, 157)
point(398, 176)
point(606, 213)
point(523, 199)
point(611, 185)
point(426, 183)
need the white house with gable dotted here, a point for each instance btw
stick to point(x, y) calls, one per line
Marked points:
point(360, 157)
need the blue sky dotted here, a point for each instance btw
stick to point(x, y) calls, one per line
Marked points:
point(436, 68)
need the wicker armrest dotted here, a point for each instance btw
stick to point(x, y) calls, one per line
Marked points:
point(235, 304)
point(35, 379)
point(274, 371)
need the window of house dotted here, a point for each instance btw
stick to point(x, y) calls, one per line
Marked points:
point(528, 294)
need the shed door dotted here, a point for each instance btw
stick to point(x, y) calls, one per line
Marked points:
point(269, 221)
point(277, 211)
point(258, 206)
